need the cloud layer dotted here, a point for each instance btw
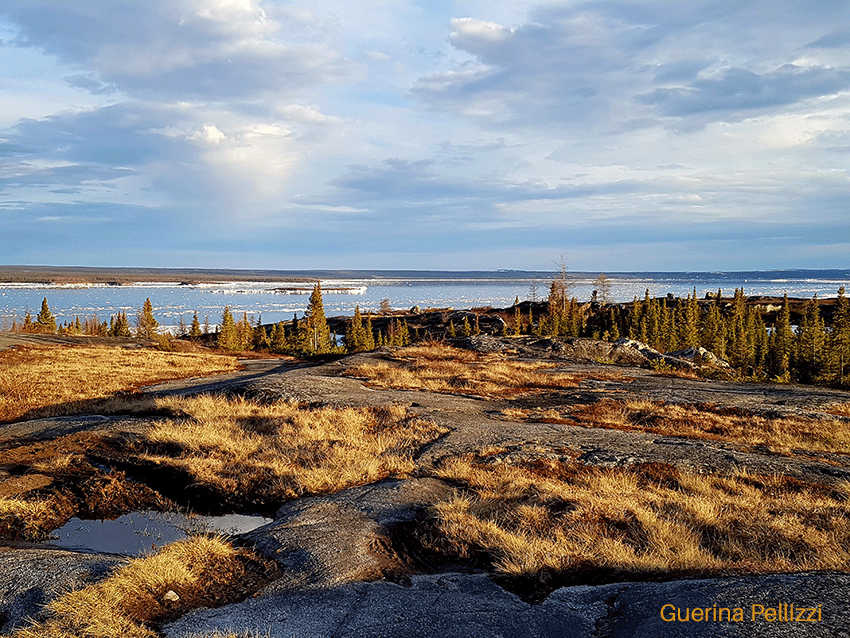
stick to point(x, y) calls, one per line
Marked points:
point(626, 135)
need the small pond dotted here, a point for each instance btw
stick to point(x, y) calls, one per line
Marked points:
point(145, 531)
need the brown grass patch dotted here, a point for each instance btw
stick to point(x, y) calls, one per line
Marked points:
point(201, 571)
point(840, 409)
point(572, 521)
point(441, 368)
point(44, 382)
point(31, 519)
point(267, 452)
point(712, 422)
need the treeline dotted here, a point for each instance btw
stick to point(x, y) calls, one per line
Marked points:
point(145, 325)
point(305, 337)
point(811, 352)
point(311, 334)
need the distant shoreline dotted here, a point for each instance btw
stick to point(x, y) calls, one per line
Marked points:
point(14, 274)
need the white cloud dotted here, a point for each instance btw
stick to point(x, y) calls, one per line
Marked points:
point(209, 134)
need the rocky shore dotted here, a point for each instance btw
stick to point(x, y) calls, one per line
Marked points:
point(349, 562)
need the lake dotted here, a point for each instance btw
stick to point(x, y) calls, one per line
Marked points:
point(171, 301)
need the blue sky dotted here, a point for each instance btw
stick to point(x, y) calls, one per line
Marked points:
point(422, 135)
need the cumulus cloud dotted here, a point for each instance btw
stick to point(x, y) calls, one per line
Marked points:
point(176, 50)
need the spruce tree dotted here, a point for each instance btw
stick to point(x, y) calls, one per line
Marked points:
point(318, 333)
point(195, 328)
point(634, 317)
point(517, 327)
point(689, 323)
point(278, 338)
point(228, 336)
point(466, 330)
point(614, 324)
point(758, 337)
point(355, 336)
point(45, 320)
point(245, 332)
point(368, 335)
point(261, 336)
point(839, 339)
point(810, 343)
point(782, 343)
point(146, 324)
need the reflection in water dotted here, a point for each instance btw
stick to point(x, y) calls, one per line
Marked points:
point(138, 532)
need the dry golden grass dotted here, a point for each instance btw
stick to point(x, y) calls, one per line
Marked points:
point(441, 368)
point(712, 422)
point(841, 409)
point(62, 380)
point(650, 519)
point(200, 570)
point(29, 519)
point(273, 451)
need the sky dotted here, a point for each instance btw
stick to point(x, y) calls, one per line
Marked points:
point(617, 136)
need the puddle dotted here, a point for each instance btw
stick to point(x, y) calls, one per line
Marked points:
point(139, 532)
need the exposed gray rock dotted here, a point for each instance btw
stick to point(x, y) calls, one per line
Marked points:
point(344, 537)
point(471, 606)
point(480, 343)
point(53, 428)
point(700, 356)
point(31, 578)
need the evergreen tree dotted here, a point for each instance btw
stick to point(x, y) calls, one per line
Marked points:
point(634, 317)
point(402, 331)
point(653, 323)
point(319, 335)
point(228, 336)
point(355, 333)
point(451, 332)
point(28, 324)
point(839, 338)
point(195, 328)
point(517, 327)
point(278, 338)
point(467, 329)
point(782, 343)
point(689, 322)
point(45, 320)
point(614, 324)
point(121, 326)
point(245, 332)
point(810, 343)
point(261, 336)
point(369, 336)
point(146, 324)
point(758, 337)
